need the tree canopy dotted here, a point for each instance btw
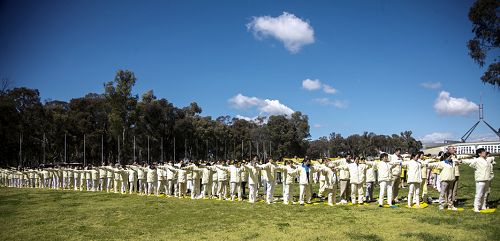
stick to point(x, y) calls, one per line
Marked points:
point(118, 126)
point(486, 28)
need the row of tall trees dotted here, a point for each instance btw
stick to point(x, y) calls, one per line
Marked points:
point(367, 144)
point(118, 126)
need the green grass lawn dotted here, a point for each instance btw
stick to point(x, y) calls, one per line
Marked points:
point(28, 214)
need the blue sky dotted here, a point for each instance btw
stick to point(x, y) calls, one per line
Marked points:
point(232, 56)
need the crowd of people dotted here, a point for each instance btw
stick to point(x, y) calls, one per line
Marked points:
point(347, 179)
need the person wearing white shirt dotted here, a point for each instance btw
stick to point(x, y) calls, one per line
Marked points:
point(321, 178)
point(330, 184)
point(141, 176)
point(384, 170)
point(289, 173)
point(396, 174)
point(253, 172)
point(305, 171)
point(181, 179)
point(195, 179)
point(270, 169)
point(482, 175)
point(151, 179)
point(102, 177)
point(344, 177)
point(487, 189)
point(414, 170)
point(370, 182)
point(206, 180)
point(356, 178)
point(132, 179)
point(171, 180)
point(109, 177)
point(162, 181)
point(222, 181)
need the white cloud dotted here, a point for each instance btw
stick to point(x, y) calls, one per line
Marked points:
point(267, 106)
point(317, 126)
point(431, 85)
point(287, 28)
point(242, 102)
point(310, 84)
point(341, 104)
point(329, 90)
point(447, 105)
point(315, 84)
point(436, 137)
point(274, 107)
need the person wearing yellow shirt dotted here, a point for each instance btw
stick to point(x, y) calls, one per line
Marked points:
point(447, 177)
point(181, 179)
point(344, 177)
point(357, 172)
point(482, 175)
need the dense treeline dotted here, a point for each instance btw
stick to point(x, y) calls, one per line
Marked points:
point(109, 124)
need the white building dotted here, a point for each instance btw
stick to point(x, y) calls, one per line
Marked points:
point(467, 147)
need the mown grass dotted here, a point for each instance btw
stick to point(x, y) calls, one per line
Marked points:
point(27, 214)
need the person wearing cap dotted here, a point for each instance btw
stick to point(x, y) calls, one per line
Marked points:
point(482, 175)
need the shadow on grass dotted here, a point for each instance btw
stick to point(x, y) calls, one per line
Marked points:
point(361, 236)
point(426, 236)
